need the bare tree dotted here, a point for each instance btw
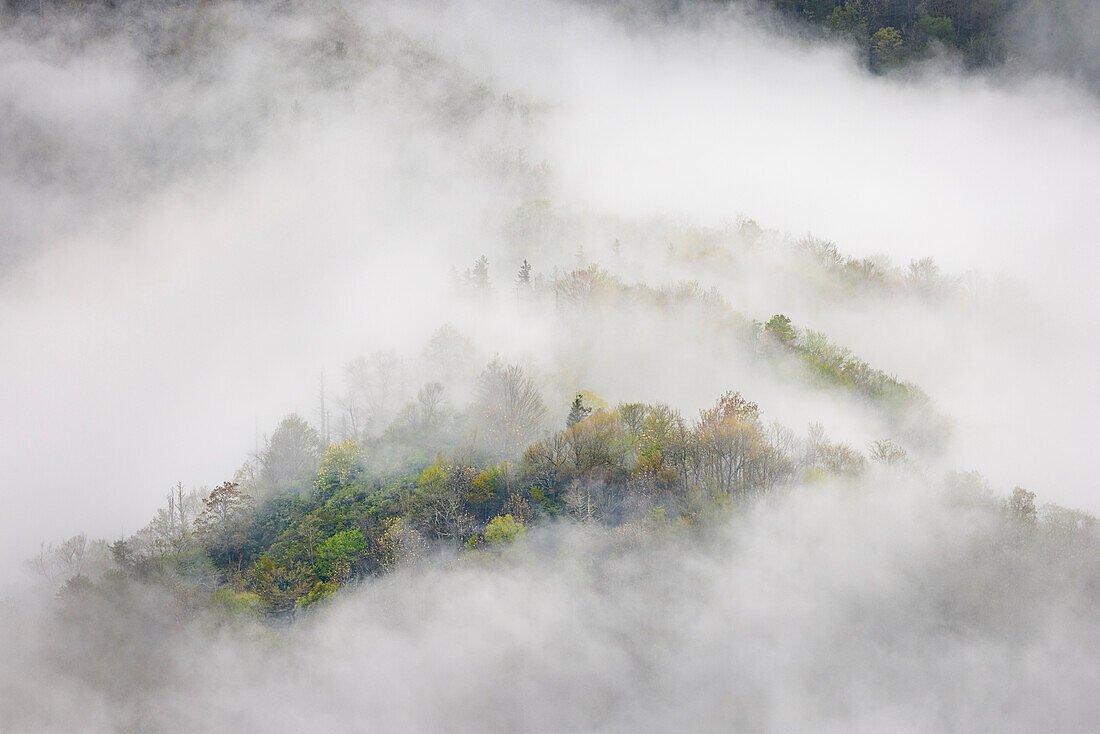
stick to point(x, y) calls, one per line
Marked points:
point(730, 444)
point(430, 397)
point(374, 386)
point(439, 503)
point(75, 556)
point(509, 408)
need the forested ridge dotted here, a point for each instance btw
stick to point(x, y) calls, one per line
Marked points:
point(465, 464)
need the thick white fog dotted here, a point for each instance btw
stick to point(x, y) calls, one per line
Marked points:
point(854, 610)
point(204, 208)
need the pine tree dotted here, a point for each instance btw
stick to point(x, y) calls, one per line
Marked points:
point(577, 412)
point(523, 278)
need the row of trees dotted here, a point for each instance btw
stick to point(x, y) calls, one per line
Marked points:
point(611, 465)
point(893, 31)
point(846, 275)
point(906, 408)
point(403, 473)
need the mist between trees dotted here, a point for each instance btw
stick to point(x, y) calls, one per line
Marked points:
point(884, 601)
point(390, 476)
point(601, 566)
point(638, 464)
point(529, 565)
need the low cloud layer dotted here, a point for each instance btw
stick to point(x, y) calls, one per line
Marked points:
point(888, 606)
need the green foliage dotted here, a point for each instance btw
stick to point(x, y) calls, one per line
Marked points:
point(886, 48)
point(641, 467)
point(829, 365)
point(940, 28)
point(341, 466)
point(377, 502)
point(891, 33)
point(439, 504)
point(320, 591)
point(279, 585)
point(488, 490)
point(336, 556)
point(546, 503)
point(123, 555)
point(231, 603)
point(846, 19)
point(779, 328)
point(503, 530)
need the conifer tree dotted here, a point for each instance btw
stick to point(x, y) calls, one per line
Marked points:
point(523, 278)
point(577, 412)
point(479, 276)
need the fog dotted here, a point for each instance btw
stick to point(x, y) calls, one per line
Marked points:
point(205, 208)
point(858, 610)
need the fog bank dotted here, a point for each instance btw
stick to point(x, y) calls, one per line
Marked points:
point(889, 606)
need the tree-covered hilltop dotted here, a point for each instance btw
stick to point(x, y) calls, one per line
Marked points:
point(386, 484)
point(437, 454)
point(303, 519)
point(742, 254)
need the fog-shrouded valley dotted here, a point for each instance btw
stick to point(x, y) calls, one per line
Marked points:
point(549, 366)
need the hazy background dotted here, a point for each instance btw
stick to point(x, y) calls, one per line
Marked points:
point(203, 207)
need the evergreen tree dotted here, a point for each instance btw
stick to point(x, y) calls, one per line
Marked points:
point(479, 277)
point(577, 412)
point(523, 278)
